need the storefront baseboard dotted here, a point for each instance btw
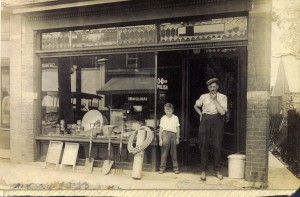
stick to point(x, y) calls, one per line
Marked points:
point(99, 163)
point(5, 153)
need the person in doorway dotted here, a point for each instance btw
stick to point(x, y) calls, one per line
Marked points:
point(214, 106)
point(169, 138)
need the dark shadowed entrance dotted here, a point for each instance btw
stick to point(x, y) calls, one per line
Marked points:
point(185, 74)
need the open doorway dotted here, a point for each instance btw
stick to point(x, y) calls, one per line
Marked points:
point(181, 79)
point(198, 71)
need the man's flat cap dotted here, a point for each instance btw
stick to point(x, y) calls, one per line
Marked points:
point(212, 80)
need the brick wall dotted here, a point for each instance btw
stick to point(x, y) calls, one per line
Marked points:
point(24, 86)
point(257, 126)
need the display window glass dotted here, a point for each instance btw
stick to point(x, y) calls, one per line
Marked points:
point(100, 93)
point(5, 97)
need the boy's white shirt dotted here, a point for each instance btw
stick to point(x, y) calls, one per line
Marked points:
point(169, 124)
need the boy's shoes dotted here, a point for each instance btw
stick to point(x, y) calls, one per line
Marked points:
point(176, 171)
point(203, 176)
point(219, 175)
point(160, 171)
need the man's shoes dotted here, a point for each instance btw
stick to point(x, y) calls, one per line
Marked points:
point(203, 176)
point(160, 171)
point(219, 175)
point(176, 171)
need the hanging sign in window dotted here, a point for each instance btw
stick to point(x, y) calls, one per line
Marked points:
point(137, 98)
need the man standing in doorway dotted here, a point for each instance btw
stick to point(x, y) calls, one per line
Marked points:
point(214, 106)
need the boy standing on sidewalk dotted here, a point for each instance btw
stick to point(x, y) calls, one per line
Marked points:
point(169, 137)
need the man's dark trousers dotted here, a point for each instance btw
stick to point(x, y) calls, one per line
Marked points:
point(211, 133)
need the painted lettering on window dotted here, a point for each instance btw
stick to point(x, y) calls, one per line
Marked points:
point(162, 84)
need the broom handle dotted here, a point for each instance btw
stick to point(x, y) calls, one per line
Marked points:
point(121, 141)
point(109, 142)
point(91, 136)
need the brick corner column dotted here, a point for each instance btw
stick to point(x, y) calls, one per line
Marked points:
point(258, 91)
point(24, 83)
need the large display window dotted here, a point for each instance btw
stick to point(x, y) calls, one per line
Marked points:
point(98, 93)
point(5, 97)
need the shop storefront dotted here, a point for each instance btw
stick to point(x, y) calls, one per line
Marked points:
point(131, 88)
point(122, 65)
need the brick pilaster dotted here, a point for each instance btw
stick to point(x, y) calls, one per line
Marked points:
point(24, 85)
point(259, 55)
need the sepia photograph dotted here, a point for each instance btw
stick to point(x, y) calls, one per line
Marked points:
point(150, 98)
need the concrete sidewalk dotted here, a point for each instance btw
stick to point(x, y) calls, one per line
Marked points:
point(36, 176)
point(12, 175)
point(279, 176)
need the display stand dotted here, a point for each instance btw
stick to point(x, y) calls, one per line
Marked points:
point(70, 154)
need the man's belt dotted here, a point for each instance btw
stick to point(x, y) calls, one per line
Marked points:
point(168, 131)
point(211, 114)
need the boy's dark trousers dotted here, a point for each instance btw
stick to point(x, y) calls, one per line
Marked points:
point(169, 144)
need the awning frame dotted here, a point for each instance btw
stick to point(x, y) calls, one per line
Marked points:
point(129, 85)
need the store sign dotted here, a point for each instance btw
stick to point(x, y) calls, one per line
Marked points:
point(232, 28)
point(162, 84)
point(49, 65)
point(201, 29)
point(137, 98)
point(209, 29)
